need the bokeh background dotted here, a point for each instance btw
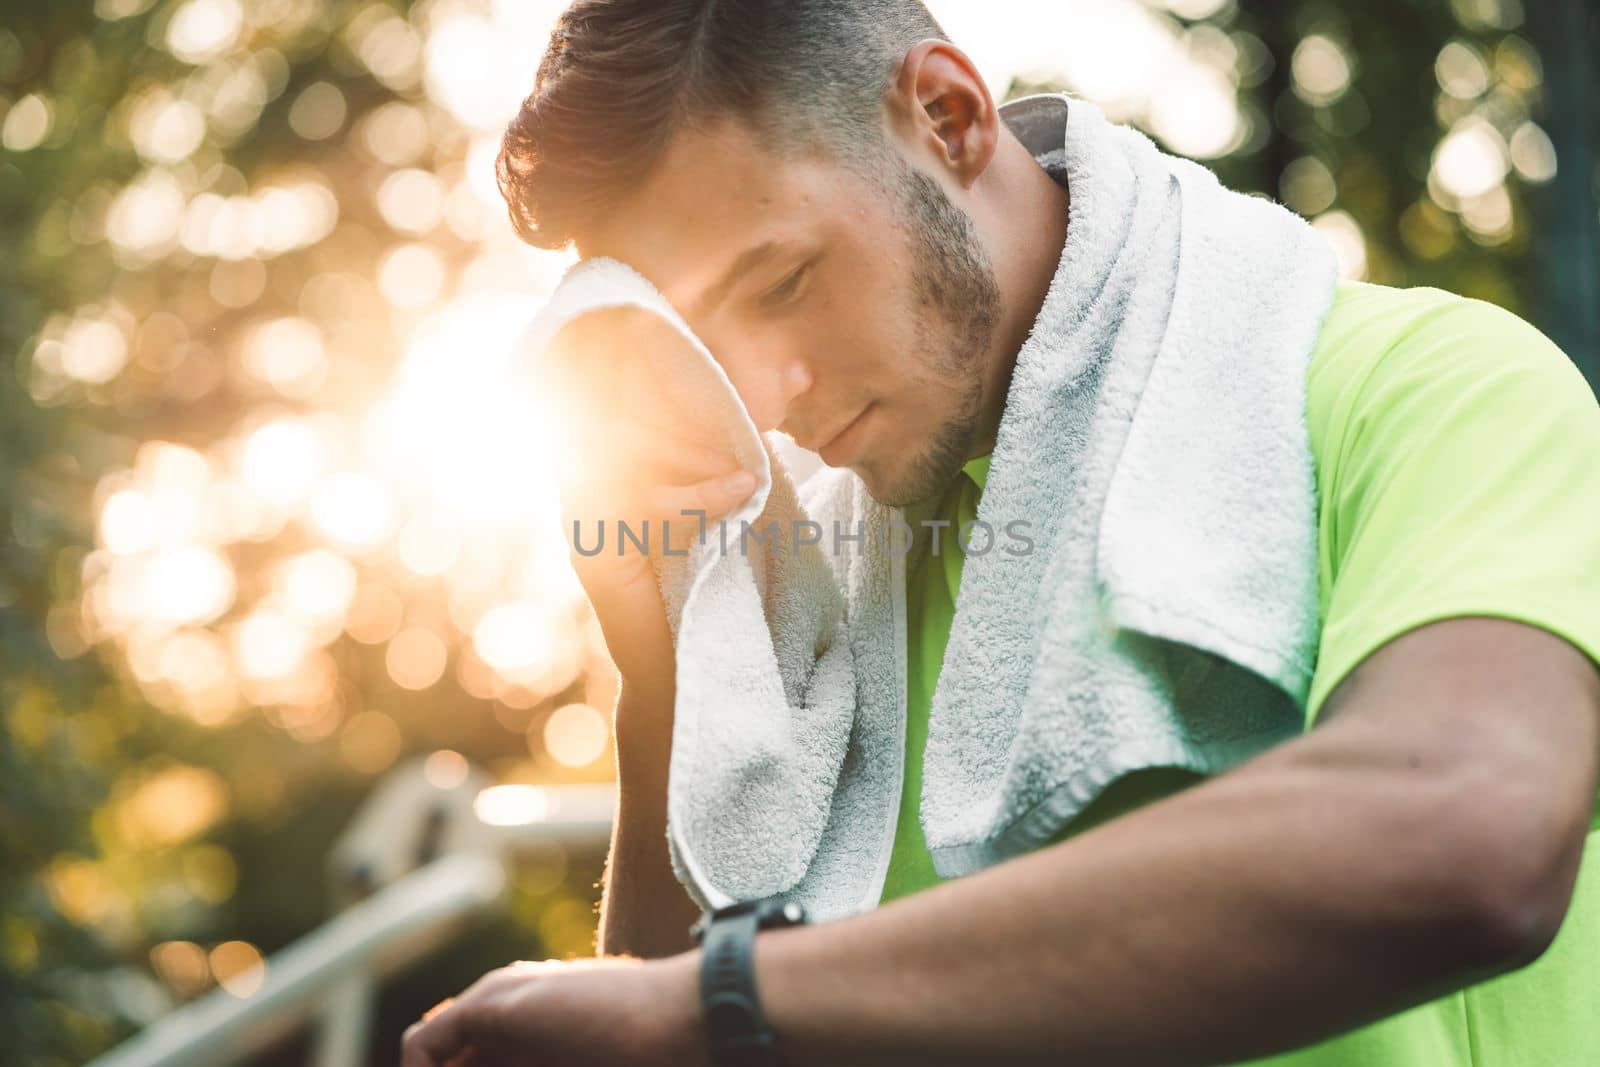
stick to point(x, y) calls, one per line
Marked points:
point(273, 522)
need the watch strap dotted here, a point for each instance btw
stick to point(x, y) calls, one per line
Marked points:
point(737, 1034)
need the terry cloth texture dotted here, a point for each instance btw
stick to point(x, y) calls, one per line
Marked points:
point(1162, 610)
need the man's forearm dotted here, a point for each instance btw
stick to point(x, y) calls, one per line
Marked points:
point(1291, 899)
point(643, 909)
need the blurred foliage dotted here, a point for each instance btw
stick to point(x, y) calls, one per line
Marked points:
point(1439, 145)
point(270, 524)
point(149, 814)
point(1417, 135)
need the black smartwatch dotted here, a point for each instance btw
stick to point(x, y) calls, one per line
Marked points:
point(736, 1030)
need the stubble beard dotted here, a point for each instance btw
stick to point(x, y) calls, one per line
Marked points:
point(957, 304)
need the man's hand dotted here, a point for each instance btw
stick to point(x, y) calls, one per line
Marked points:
point(631, 452)
point(610, 1013)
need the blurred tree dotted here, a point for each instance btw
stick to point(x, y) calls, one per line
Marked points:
point(1410, 135)
point(1364, 101)
point(52, 742)
point(190, 190)
point(1433, 145)
point(1567, 234)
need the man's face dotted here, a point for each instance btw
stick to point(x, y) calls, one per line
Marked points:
point(854, 315)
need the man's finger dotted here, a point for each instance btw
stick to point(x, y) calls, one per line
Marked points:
point(640, 455)
point(439, 1038)
point(715, 497)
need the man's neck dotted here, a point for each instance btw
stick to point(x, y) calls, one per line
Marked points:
point(1032, 235)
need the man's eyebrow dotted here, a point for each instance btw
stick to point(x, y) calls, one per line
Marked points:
point(748, 260)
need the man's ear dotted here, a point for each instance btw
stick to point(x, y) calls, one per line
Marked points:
point(939, 108)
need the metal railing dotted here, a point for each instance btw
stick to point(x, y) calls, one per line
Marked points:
point(329, 977)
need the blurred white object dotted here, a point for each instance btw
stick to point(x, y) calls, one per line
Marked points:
point(419, 811)
point(426, 854)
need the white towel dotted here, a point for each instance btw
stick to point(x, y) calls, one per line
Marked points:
point(1153, 441)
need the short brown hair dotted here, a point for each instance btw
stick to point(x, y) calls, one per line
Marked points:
point(620, 78)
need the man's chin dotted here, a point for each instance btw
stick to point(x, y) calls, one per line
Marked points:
point(894, 492)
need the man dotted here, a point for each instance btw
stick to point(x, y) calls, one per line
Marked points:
point(828, 194)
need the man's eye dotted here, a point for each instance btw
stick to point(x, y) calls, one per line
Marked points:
point(786, 289)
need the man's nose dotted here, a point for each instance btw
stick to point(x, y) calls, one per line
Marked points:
point(769, 390)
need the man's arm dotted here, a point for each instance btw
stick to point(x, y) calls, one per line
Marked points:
point(644, 911)
point(1424, 837)
point(629, 456)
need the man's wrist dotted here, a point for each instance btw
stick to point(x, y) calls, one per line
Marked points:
point(686, 1030)
point(643, 730)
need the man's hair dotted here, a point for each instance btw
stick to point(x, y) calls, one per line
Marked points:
point(621, 78)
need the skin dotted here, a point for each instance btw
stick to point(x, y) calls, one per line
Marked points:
point(1424, 837)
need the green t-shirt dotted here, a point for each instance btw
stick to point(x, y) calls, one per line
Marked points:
point(1458, 473)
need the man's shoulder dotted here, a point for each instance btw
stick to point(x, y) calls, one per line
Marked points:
point(1382, 347)
point(1368, 323)
point(1454, 447)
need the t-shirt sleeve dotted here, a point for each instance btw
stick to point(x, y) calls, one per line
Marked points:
point(1464, 480)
